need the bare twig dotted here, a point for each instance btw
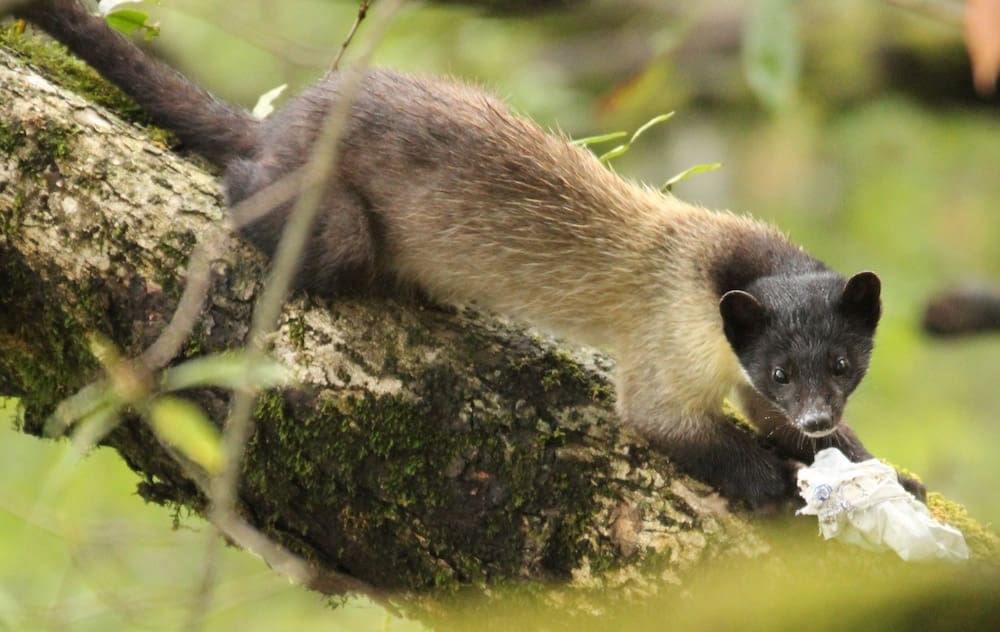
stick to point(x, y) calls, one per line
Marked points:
point(237, 530)
point(224, 486)
point(363, 7)
point(235, 23)
point(265, 200)
point(199, 277)
point(202, 598)
point(177, 331)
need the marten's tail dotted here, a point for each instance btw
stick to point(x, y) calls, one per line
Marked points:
point(204, 124)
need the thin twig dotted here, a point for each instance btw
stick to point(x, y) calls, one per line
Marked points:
point(178, 330)
point(202, 598)
point(362, 13)
point(224, 486)
point(235, 23)
point(241, 533)
point(266, 200)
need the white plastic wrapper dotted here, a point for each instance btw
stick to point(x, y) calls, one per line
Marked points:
point(864, 504)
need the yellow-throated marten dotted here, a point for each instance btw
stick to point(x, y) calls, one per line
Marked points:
point(441, 187)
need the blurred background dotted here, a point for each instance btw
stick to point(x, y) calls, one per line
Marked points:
point(853, 126)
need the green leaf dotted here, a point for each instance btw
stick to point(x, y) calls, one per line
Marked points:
point(669, 184)
point(656, 120)
point(185, 426)
point(229, 370)
point(772, 52)
point(621, 149)
point(130, 22)
point(603, 138)
point(613, 153)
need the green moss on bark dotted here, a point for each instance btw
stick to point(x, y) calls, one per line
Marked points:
point(423, 493)
point(38, 148)
point(43, 329)
point(56, 64)
point(53, 60)
point(983, 542)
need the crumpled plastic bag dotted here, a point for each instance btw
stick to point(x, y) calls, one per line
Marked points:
point(864, 504)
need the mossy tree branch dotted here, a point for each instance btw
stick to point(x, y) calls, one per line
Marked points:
point(421, 447)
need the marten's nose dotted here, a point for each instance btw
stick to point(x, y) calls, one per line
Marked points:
point(817, 424)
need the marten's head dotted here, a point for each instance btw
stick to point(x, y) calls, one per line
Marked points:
point(804, 341)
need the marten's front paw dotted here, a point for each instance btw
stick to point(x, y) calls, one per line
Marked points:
point(765, 485)
point(755, 479)
point(731, 461)
point(913, 486)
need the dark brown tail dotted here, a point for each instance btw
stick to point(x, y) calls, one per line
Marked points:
point(204, 124)
point(968, 309)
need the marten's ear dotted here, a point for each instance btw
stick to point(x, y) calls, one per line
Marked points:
point(860, 299)
point(742, 318)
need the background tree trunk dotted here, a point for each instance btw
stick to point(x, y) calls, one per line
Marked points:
point(421, 447)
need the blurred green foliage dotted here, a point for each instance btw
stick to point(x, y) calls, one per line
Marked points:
point(79, 550)
point(876, 157)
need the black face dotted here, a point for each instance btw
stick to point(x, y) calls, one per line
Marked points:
point(805, 341)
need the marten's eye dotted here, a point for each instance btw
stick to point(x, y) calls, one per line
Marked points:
point(840, 366)
point(779, 375)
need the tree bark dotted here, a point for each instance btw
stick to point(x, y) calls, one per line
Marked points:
point(421, 447)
